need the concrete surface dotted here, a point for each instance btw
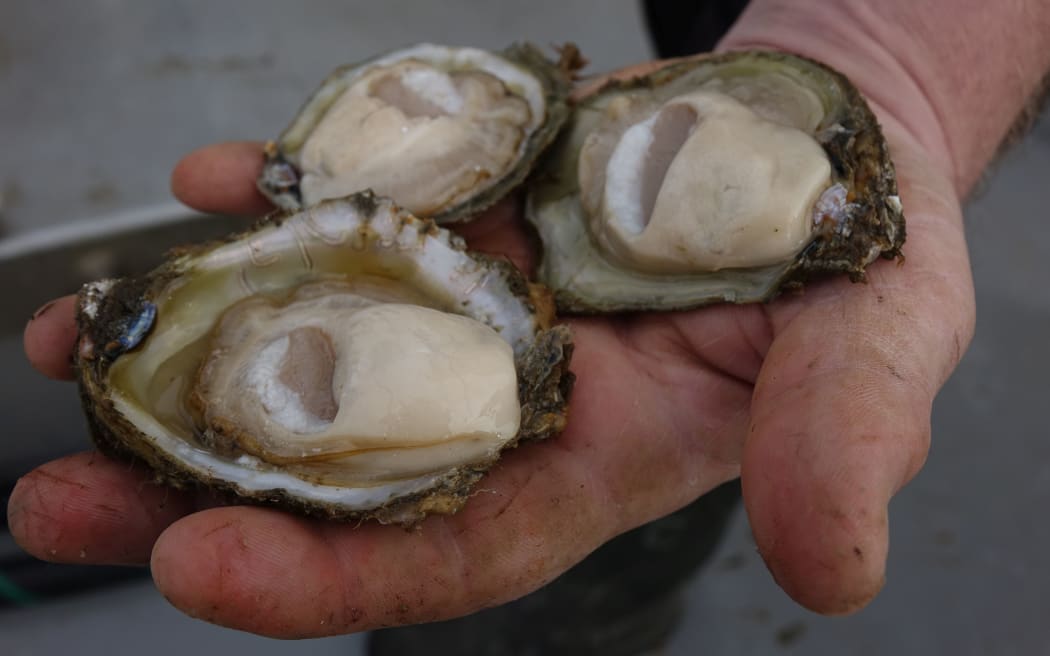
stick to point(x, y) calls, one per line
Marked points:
point(98, 99)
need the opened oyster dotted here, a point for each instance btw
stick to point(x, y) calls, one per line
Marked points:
point(443, 131)
point(347, 361)
point(723, 178)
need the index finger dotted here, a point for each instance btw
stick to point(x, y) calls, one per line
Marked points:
point(220, 179)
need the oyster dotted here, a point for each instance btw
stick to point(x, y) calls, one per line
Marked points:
point(445, 132)
point(347, 361)
point(722, 178)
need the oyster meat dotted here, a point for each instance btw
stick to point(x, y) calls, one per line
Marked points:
point(347, 361)
point(722, 178)
point(443, 131)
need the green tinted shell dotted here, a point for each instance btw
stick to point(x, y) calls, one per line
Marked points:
point(863, 220)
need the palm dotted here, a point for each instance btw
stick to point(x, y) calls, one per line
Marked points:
point(820, 401)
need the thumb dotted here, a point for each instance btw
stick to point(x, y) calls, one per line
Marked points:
point(828, 449)
point(841, 409)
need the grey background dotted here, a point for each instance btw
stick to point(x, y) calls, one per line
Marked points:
point(98, 99)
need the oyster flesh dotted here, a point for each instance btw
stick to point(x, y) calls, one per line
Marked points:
point(346, 361)
point(722, 178)
point(445, 132)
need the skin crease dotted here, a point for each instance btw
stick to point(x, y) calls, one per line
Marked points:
point(820, 401)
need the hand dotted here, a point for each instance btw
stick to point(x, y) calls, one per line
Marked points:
point(820, 401)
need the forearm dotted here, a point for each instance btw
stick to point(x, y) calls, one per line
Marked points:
point(957, 75)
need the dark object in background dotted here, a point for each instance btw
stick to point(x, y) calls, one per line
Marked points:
point(25, 581)
point(622, 600)
point(680, 27)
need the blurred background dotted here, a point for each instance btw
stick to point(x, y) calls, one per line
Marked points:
point(98, 99)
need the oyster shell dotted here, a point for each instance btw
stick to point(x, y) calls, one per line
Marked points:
point(347, 361)
point(722, 178)
point(445, 132)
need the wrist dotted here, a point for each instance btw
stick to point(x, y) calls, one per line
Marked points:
point(918, 67)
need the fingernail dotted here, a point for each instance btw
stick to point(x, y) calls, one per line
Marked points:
point(42, 311)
